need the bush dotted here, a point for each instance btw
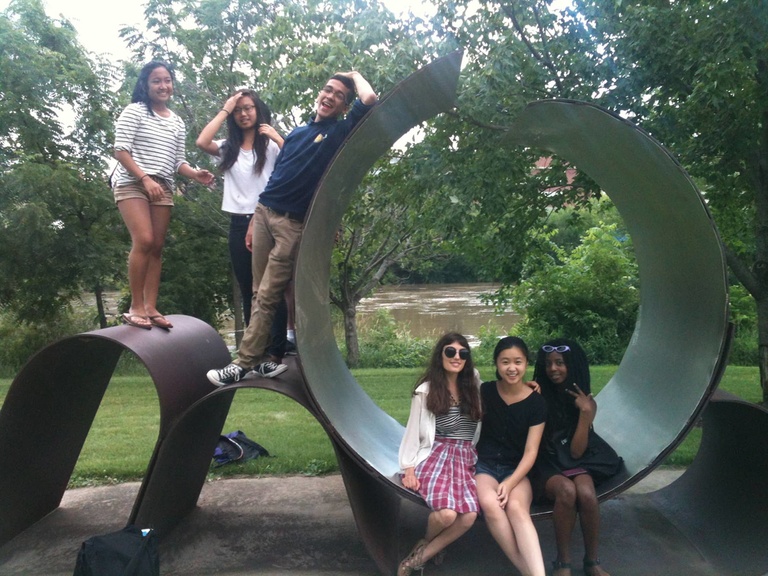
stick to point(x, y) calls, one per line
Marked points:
point(384, 344)
point(21, 340)
point(744, 317)
point(589, 294)
point(489, 335)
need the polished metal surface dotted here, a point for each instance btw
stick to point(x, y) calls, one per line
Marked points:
point(673, 361)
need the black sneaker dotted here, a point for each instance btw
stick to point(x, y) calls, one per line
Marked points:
point(228, 375)
point(270, 369)
point(290, 348)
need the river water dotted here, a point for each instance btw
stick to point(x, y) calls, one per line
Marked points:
point(429, 310)
point(425, 310)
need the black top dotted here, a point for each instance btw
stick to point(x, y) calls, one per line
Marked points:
point(505, 426)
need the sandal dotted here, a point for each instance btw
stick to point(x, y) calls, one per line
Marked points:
point(439, 558)
point(557, 566)
point(413, 560)
point(590, 564)
point(160, 321)
point(136, 321)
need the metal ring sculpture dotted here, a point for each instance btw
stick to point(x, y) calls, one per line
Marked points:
point(668, 373)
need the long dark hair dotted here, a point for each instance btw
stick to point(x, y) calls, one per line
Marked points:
point(562, 413)
point(231, 148)
point(141, 88)
point(439, 397)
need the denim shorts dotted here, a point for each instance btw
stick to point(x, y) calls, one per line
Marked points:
point(496, 470)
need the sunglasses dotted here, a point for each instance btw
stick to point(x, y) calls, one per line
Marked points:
point(560, 349)
point(450, 352)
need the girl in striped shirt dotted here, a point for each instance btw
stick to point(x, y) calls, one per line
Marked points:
point(149, 148)
point(437, 453)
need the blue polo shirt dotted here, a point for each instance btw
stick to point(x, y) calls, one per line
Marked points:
point(305, 155)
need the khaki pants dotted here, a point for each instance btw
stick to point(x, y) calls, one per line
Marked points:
point(275, 244)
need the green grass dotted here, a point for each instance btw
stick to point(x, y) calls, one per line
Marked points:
point(124, 431)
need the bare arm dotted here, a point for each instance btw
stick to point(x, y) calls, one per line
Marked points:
point(587, 412)
point(203, 176)
point(154, 190)
point(205, 139)
point(364, 90)
point(272, 134)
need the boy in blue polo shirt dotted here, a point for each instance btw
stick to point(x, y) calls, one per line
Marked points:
point(275, 229)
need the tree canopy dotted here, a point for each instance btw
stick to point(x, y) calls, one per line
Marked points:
point(693, 74)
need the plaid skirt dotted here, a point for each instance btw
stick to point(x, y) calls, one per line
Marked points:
point(447, 476)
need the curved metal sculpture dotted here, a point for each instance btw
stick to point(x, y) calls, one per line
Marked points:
point(665, 379)
point(677, 351)
point(51, 404)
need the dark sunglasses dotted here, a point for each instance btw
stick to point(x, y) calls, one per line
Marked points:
point(560, 349)
point(450, 352)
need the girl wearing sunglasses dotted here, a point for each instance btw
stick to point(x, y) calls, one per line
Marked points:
point(562, 371)
point(513, 424)
point(437, 453)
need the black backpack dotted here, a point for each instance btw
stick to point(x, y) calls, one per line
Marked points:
point(127, 552)
point(235, 447)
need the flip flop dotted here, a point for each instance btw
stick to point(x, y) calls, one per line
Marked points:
point(136, 321)
point(161, 322)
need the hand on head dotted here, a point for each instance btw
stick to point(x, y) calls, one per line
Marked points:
point(229, 105)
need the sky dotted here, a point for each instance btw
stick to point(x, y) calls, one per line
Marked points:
point(97, 22)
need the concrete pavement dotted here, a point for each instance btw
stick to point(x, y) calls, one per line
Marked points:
point(303, 526)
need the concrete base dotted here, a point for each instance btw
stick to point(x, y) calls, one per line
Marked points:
point(304, 526)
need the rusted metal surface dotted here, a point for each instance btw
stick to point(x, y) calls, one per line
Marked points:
point(52, 402)
point(171, 488)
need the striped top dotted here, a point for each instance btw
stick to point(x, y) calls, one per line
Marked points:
point(455, 424)
point(155, 143)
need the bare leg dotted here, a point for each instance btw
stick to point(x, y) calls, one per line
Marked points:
point(562, 491)
point(136, 215)
point(497, 521)
point(518, 511)
point(161, 217)
point(589, 517)
point(444, 527)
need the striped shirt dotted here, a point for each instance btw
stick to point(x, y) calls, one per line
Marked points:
point(155, 143)
point(455, 424)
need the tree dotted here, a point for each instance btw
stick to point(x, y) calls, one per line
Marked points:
point(389, 224)
point(58, 230)
point(286, 51)
point(514, 53)
point(695, 75)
